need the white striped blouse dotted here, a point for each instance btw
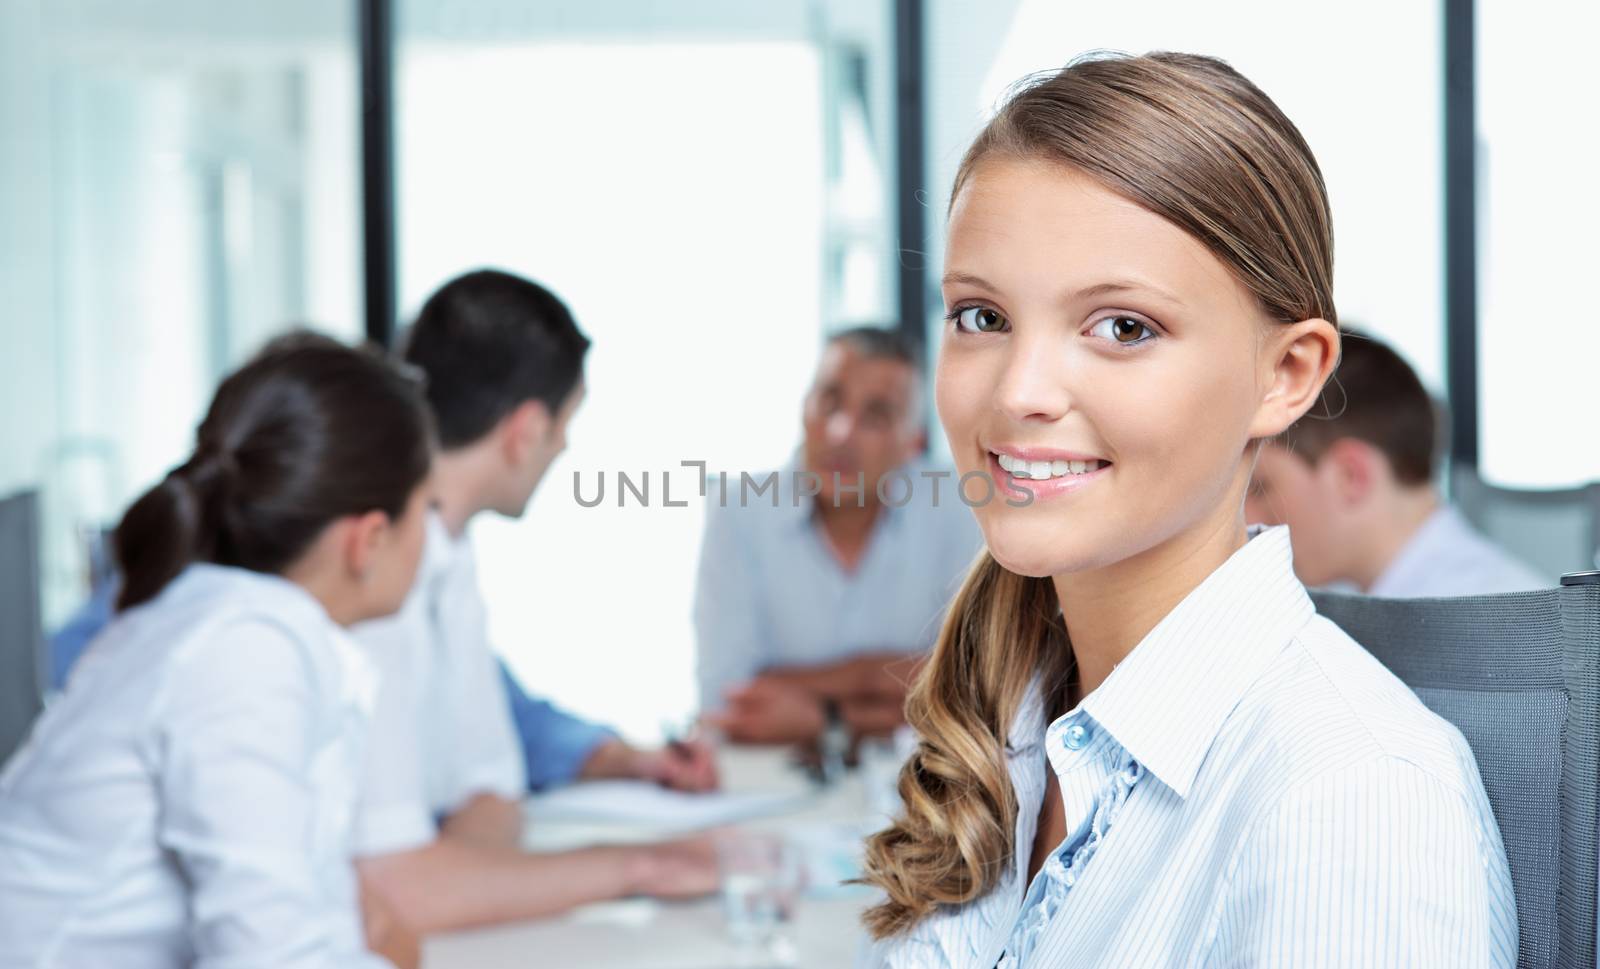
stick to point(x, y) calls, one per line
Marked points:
point(1248, 788)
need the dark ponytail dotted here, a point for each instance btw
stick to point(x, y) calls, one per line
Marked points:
point(307, 432)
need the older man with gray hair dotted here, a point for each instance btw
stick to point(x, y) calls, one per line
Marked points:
point(820, 589)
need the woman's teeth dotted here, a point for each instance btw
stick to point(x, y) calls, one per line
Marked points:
point(1040, 470)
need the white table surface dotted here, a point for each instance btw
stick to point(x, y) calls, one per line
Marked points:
point(648, 934)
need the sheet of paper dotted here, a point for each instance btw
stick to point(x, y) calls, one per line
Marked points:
point(646, 805)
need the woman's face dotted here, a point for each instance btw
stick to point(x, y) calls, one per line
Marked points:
point(1099, 358)
point(400, 552)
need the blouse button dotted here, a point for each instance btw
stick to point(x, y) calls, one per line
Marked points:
point(1076, 737)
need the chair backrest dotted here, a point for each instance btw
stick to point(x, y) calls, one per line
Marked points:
point(1554, 531)
point(21, 638)
point(1519, 676)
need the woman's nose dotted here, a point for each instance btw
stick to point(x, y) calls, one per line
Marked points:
point(1034, 384)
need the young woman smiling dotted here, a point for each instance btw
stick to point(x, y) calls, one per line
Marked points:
point(1141, 746)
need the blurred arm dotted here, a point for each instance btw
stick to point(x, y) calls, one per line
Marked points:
point(870, 690)
point(456, 884)
point(556, 746)
point(486, 819)
point(729, 629)
point(883, 675)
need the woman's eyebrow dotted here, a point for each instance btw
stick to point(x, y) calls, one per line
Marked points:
point(1125, 286)
point(1088, 292)
point(957, 276)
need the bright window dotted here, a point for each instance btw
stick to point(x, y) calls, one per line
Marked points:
point(671, 194)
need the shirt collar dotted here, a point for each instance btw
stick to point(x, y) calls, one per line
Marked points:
point(1166, 702)
point(361, 678)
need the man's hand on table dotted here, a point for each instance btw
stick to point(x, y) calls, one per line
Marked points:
point(768, 710)
point(684, 765)
point(871, 676)
point(676, 869)
point(786, 705)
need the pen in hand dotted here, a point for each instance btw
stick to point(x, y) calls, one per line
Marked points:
point(688, 762)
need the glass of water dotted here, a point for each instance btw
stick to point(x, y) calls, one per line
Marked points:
point(761, 881)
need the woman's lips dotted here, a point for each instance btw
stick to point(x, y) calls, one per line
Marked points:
point(1018, 489)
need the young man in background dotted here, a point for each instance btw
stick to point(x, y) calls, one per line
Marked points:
point(1355, 481)
point(440, 832)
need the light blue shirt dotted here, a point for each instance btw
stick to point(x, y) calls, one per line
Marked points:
point(1249, 788)
point(771, 593)
point(1446, 556)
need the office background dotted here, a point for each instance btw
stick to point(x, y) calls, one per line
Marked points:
point(712, 185)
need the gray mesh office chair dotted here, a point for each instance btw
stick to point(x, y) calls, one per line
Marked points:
point(21, 641)
point(1519, 676)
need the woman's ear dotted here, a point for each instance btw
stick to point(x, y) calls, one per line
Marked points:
point(363, 542)
point(1296, 361)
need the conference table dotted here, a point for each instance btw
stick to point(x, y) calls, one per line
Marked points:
point(639, 933)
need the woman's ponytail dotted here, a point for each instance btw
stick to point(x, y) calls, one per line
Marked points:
point(156, 539)
point(952, 840)
point(172, 525)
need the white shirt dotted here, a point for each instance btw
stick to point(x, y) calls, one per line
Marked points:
point(187, 800)
point(770, 592)
point(1447, 557)
point(443, 730)
point(1249, 788)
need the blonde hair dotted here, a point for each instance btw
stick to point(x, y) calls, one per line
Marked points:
point(1191, 140)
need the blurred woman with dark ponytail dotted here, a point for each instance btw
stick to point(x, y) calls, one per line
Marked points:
point(187, 801)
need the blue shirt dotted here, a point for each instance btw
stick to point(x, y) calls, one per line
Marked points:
point(72, 639)
point(1446, 556)
point(1248, 788)
point(555, 744)
point(771, 593)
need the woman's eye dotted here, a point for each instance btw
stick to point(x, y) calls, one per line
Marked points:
point(978, 319)
point(1123, 330)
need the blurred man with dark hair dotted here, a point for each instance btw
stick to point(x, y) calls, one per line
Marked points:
point(455, 741)
point(813, 604)
point(1355, 482)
